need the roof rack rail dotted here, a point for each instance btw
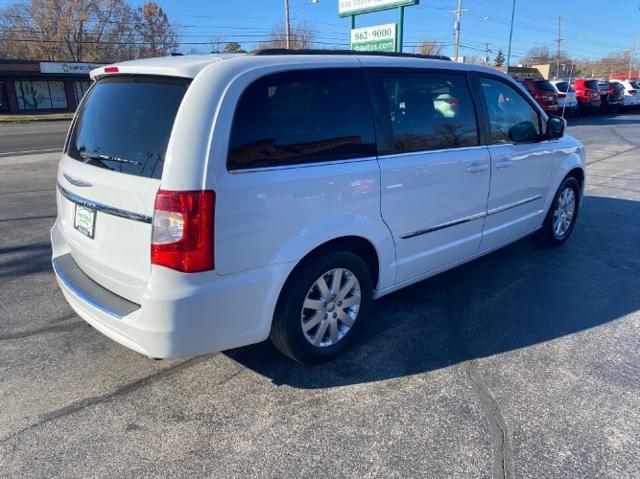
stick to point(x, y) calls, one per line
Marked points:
point(285, 51)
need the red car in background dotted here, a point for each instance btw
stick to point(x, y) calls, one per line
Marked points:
point(588, 93)
point(544, 93)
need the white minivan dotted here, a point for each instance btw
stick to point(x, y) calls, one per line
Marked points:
point(211, 202)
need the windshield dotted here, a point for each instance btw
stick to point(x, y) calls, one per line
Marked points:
point(125, 122)
point(591, 84)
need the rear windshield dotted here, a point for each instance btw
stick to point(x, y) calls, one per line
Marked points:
point(544, 85)
point(592, 84)
point(564, 86)
point(124, 124)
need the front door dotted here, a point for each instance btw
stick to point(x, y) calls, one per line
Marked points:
point(521, 164)
point(434, 173)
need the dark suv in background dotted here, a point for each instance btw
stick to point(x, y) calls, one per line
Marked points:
point(544, 93)
point(611, 96)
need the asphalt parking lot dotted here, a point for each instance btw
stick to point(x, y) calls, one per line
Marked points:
point(525, 363)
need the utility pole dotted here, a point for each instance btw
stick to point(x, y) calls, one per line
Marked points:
point(513, 16)
point(633, 54)
point(287, 21)
point(559, 47)
point(456, 46)
point(486, 53)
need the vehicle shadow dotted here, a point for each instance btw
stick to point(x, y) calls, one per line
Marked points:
point(516, 297)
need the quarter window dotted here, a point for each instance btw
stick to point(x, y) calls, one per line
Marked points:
point(429, 111)
point(507, 108)
point(302, 117)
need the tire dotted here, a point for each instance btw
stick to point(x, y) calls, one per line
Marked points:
point(550, 235)
point(317, 344)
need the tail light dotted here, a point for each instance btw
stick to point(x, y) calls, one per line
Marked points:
point(562, 95)
point(632, 92)
point(182, 237)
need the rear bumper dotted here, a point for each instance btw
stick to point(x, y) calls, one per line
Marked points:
point(180, 314)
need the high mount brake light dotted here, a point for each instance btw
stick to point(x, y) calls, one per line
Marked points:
point(182, 237)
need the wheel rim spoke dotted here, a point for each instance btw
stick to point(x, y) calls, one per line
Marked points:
point(352, 301)
point(314, 304)
point(322, 329)
point(345, 318)
point(336, 280)
point(312, 322)
point(333, 330)
point(323, 289)
point(348, 287)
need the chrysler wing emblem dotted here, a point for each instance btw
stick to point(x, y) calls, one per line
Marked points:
point(76, 181)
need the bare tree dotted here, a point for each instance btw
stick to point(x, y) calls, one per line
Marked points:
point(302, 36)
point(428, 47)
point(157, 36)
point(84, 30)
point(614, 62)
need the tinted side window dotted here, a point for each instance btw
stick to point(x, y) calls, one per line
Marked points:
point(429, 111)
point(507, 108)
point(302, 117)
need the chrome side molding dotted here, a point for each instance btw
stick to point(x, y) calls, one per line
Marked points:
point(466, 219)
point(109, 210)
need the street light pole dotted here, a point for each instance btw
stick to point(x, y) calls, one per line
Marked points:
point(287, 21)
point(513, 16)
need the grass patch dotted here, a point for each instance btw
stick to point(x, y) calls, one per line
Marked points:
point(35, 117)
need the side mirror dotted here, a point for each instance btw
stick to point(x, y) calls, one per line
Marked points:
point(524, 132)
point(555, 127)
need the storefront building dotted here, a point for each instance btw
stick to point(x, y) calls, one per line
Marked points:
point(35, 87)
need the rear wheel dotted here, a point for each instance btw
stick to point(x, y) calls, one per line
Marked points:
point(562, 216)
point(323, 307)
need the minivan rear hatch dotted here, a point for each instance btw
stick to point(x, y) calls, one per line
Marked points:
point(110, 174)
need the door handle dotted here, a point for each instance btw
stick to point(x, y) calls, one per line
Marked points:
point(477, 168)
point(504, 163)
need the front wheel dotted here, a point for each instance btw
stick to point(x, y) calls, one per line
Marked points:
point(562, 216)
point(323, 307)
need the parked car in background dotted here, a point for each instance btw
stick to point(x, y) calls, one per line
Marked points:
point(588, 93)
point(631, 96)
point(567, 99)
point(611, 97)
point(544, 93)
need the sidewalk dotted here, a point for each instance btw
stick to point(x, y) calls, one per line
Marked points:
point(22, 118)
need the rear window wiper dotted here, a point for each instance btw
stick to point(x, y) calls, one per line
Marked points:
point(99, 156)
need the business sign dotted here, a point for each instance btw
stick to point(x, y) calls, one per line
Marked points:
point(357, 7)
point(381, 38)
point(68, 68)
